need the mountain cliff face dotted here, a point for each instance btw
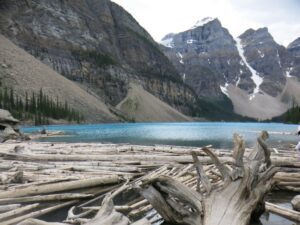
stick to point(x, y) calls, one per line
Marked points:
point(251, 70)
point(207, 58)
point(270, 60)
point(26, 74)
point(97, 44)
point(294, 50)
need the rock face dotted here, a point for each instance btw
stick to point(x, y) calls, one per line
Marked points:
point(296, 202)
point(248, 70)
point(26, 74)
point(269, 59)
point(95, 43)
point(207, 58)
point(294, 49)
point(8, 126)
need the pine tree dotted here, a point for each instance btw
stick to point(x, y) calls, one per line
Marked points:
point(26, 102)
point(12, 99)
point(5, 98)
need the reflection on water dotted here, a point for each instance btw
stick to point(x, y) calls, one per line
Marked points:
point(183, 134)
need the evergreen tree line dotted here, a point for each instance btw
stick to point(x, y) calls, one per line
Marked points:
point(292, 115)
point(38, 107)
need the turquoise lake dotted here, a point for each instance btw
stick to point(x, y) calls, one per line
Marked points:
point(219, 134)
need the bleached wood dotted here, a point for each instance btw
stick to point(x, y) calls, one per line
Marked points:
point(63, 186)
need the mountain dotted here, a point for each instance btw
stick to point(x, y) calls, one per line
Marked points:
point(24, 73)
point(98, 45)
point(251, 71)
point(294, 49)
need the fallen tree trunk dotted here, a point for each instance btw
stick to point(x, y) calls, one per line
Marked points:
point(45, 198)
point(37, 213)
point(284, 212)
point(17, 211)
point(5, 208)
point(63, 186)
point(244, 186)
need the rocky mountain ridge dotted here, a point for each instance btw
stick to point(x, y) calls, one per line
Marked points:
point(201, 72)
point(251, 69)
point(96, 44)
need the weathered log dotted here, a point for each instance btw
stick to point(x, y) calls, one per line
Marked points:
point(63, 186)
point(45, 198)
point(5, 208)
point(107, 215)
point(37, 213)
point(296, 202)
point(38, 222)
point(127, 157)
point(16, 212)
point(284, 212)
point(244, 188)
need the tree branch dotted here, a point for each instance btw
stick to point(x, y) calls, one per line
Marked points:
point(223, 170)
point(201, 174)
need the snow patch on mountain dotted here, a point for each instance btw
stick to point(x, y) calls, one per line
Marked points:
point(202, 22)
point(168, 42)
point(224, 89)
point(278, 58)
point(238, 81)
point(288, 72)
point(191, 41)
point(255, 76)
point(262, 55)
point(180, 56)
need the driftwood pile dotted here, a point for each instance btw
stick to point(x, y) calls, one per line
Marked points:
point(114, 184)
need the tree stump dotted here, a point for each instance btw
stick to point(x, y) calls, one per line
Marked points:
point(243, 189)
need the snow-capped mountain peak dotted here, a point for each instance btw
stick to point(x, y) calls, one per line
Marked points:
point(202, 22)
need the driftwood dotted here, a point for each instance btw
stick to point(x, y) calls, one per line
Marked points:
point(244, 186)
point(37, 213)
point(296, 203)
point(63, 186)
point(17, 211)
point(45, 198)
point(284, 212)
point(38, 222)
point(50, 177)
point(5, 208)
point(107, 215)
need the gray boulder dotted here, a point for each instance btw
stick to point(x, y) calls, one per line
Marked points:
point(9, 127)
point(296, 202)
point(6, 117)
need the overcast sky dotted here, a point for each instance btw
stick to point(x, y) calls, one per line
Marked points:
point(160, 17)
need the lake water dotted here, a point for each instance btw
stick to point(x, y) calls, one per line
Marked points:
point(184, 134)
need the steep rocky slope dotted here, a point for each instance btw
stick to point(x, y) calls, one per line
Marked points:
point(294, 49)
point(253, 71)
point(207, 58)
point(22, 71)
point(97, 44)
